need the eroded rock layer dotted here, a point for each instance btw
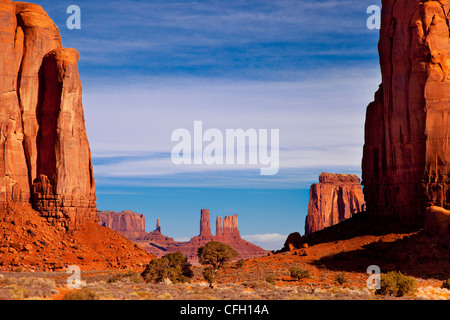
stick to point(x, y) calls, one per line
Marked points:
point(45, 158)
point(405, 166)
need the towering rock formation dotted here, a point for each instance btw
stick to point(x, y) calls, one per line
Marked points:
point(219, 226)
point(205, 223)
point(406, 151)
point(336, 197)
point(45, 158)
point(45, 162)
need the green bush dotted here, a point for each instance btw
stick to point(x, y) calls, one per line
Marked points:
point(172, 266)
point(446, 284)
point(216, 254)
point(299, 273)
point(81, 294)
point(397, 284)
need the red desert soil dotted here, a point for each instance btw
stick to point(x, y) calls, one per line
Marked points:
point(30, 243)
point(350, 247)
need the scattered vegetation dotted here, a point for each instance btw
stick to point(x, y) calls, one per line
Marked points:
point(130, 276)
point(27, 288)
point(397, 284)
point(298, 273)
point(81, 294)
point(172, 266)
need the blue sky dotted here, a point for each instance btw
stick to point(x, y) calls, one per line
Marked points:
point(149, 67)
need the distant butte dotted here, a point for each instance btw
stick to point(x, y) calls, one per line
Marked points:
point(155, 242)
point(335, 198)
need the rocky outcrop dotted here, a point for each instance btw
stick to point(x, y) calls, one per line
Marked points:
point(405, 166)
point(437, 221)
point(45, 158)
point(336, 197)
point(293, 241)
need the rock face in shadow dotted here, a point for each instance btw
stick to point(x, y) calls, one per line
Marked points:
point(405, 166)
point(335, 198)
point(45, 158)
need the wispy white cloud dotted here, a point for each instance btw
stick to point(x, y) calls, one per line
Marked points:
point(268, 241)
point(320, 120)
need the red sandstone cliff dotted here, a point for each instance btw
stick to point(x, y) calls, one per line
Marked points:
point(406, 151)
point(41, 120)
point(336, 197)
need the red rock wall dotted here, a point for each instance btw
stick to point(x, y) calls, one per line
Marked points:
point(124, 221)
point(45, 158)
point(405, 158)
point(336, 197)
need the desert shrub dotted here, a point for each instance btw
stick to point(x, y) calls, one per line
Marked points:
point(26, 288)
point(172, 266)
point(240, 263)
point(130, 276)
point(396, 284)
point(257, 285)
point(446, 284)
point(341, 278)
point(270, 279)
point(216, 254)
point(81, 294)
point(299, 273)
